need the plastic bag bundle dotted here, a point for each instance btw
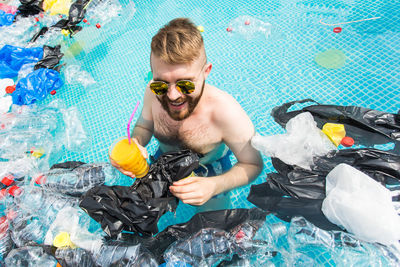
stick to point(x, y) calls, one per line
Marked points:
point(361, 205)
point(367, 127)
point(138, 208)
point(306, 188)
point(36, 86)
point(303, 141)
point(12, 58)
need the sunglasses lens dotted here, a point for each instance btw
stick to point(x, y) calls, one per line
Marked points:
point(186, 87)
point(159, 88)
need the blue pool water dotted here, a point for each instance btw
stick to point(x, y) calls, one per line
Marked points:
point(260, 71)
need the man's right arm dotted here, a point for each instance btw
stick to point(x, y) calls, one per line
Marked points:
point(144, 127)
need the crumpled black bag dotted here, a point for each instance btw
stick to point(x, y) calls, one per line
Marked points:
point(29, 8)
point(295, 191)
point(51, 58)
point(139, 207)
point(76, 14)
point(366, 126)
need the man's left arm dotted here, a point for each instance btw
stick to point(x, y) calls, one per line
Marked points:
point(237, 131)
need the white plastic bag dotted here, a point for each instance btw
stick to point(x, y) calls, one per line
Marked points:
point(361, 205)
point(299, 145)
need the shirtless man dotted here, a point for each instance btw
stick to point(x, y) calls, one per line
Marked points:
point(182, 111)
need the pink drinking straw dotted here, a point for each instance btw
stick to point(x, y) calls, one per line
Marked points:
point(130, 120)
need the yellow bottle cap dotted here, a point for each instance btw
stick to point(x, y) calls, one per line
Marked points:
point(64, 32)
point(38, 153)
point(63, 240)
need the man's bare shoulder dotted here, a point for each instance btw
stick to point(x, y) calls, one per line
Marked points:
point(228, 115)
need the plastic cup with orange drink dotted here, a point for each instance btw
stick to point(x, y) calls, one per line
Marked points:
point(128, 156)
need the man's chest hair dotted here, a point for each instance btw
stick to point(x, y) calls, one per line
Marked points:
point(197, 135)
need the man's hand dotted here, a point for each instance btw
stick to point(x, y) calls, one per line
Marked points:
point(194, 190)
point(144, 153)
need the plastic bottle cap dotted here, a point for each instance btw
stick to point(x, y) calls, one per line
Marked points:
point(36, 19)
point(347, 141)
point(53, 92)
point(10, 89)
point(337, 30)
point(247, 22)
point(98, 26)
point(41, 179)
point(84, 20)
point(14, 190)
point(229, 29)
point(8, 180)
point(240, 234)
point(63, 240)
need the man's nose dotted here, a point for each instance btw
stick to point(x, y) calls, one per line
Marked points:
point(173, 93)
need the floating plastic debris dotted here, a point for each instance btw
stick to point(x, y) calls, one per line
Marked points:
point(249, 27)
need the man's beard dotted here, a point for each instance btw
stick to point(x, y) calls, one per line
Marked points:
point(179, 115)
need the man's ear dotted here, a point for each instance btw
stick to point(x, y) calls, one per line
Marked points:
point(208, 69)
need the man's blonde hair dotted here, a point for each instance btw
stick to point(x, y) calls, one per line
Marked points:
point(178, 42)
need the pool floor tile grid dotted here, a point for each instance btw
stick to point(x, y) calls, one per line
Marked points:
point(260, 72)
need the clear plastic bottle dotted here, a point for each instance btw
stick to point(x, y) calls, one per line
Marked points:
point(117, 253)
point(79, 180)
point(30, 256)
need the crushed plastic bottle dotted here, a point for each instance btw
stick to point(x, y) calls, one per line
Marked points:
point(249, 27)
point(30, 256)
point(78, 180)
point(211, 246)
point(117, 253)
point(34, 211)
point(74, 73)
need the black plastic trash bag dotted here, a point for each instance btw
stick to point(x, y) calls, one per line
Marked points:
point(366, 126)
point(297, 182)
point(139, 207)
point(29, 8)
point(286, 208)
point(51, 58)
point(295, 191)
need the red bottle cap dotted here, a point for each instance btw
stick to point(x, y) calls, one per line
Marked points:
point(247, 22)
point(53, 92)
point(240, 234)
point(10, 89)
point(337, 30)
point(98, 26)
point(347, 141)
point(36, 19)
point(229, 29)
point(14, 190)
point(85, 20)
point(41, 179)
point(8, 180)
